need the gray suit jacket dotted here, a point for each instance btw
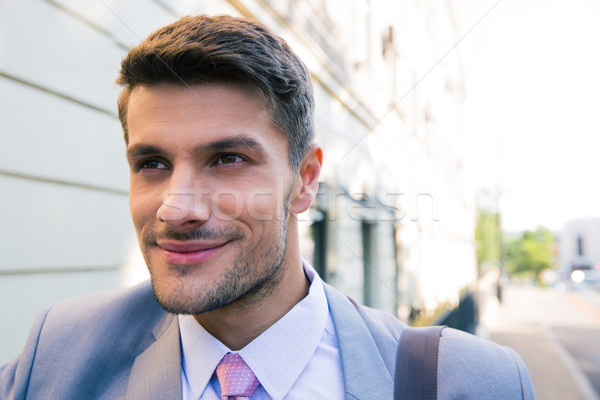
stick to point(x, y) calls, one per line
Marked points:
point(122, 345)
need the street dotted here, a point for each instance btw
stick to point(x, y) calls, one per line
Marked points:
point(557, 332)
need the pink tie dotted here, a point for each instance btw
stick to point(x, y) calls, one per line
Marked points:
point(236, 378)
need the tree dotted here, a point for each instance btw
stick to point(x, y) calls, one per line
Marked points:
point(530, 253)
point(487, 236)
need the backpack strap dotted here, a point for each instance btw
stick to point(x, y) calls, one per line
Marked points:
point(416, 364)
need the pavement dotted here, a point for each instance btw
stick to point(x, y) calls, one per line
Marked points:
point(557, 333)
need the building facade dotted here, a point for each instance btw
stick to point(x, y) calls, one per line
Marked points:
point(578, 246)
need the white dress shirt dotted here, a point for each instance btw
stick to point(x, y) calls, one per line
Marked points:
point(296, 358)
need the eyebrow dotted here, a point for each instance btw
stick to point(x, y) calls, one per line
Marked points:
point(140, 150)
point(240, 142)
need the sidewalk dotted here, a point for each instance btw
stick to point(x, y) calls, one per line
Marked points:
point(539, 324)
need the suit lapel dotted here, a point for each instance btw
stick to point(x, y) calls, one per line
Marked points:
point(156, 373)
point(365, 373)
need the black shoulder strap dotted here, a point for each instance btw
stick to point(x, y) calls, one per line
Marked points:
point(416, 364)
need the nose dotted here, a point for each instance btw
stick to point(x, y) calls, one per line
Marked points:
point(185, 204)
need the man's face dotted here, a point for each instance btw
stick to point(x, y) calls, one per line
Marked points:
point(210, 182)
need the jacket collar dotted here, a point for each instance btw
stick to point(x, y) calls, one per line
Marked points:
point(365, 373)
point(156, 373)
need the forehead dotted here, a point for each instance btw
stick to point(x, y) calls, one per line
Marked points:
point(199, 99)
point(201, 111)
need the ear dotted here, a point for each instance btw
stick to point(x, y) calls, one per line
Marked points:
point(307, 179)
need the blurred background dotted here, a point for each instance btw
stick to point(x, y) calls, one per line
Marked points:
point(461, 150)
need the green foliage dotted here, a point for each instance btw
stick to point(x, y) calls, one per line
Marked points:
point(487, 236)
point(530, 253)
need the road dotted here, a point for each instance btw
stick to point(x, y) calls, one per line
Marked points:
point(557, 332)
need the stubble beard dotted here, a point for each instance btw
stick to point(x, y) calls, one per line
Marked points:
point(248, 281)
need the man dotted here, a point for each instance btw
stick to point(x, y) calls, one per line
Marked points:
point(217, 117)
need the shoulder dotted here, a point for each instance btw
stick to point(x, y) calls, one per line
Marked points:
point(107, 306)
point(358, 323)
point(471, 367)
point(379, 322)
point(84, 341)
point(120, 320)
point(110, 312)
point(468, 366)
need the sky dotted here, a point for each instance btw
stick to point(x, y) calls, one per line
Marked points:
point(532, 73)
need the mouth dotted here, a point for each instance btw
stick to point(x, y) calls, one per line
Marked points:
point(188, 252)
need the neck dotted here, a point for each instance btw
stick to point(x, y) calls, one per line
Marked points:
point(239, 323)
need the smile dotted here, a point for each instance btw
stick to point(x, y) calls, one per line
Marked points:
point(189, 252)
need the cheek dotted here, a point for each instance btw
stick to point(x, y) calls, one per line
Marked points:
point(261, 205)
point(266, 204)
point(228, 204)
point(142, 209)
point(260, 199)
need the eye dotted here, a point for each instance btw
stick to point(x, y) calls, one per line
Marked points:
point(151, 164)
point(229, 159)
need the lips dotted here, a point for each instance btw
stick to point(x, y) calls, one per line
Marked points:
point(188, 252)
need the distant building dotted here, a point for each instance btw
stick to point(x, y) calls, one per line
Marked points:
point(579, 245)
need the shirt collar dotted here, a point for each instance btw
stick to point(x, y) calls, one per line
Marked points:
point(200, 355)
point(277, 357)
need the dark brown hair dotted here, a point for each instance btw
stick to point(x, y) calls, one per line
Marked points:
point(204, 49)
